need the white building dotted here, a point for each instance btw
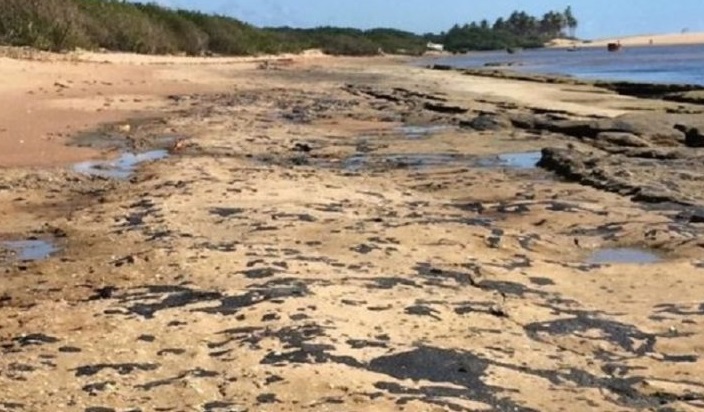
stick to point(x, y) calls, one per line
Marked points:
point(435, 47)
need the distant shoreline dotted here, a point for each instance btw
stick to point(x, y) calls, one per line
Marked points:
point(671, 39)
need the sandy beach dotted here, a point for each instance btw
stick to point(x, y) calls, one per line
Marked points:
point(344, 234)
point(668, 39)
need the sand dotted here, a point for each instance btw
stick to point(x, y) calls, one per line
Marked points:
point(51, 97)
point(299, 250)
point(669, 39)
point(47, 97)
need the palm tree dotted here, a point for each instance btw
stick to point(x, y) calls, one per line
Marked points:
point(500, 24)
point(552, 24)
point(571, 21)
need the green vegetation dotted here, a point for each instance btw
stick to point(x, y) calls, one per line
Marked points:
point(353, 42)
point(59, 25)
point(519, 30)
point(142, 28)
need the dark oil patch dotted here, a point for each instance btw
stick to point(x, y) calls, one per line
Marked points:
point(422, 310)
point(120, 368)
point(196, 373)
point(226, 212)
point(463, 370)
point(617, 333)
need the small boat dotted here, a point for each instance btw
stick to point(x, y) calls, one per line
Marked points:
point(510, 50)
point(614, 47)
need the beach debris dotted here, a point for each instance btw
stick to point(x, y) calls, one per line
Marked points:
point(124, 128)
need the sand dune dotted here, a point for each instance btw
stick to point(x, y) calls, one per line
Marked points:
point(638, 40)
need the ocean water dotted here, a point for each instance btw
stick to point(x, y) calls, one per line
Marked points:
point(651, 64)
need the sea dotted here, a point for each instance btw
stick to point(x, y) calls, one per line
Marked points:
point(682, 64)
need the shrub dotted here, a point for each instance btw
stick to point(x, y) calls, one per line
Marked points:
point(43, 24)
point(115, 25)
point(118, 25)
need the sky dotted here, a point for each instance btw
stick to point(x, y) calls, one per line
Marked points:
point(598, 18)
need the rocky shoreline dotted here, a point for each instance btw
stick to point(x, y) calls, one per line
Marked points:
point(646, 155)
point(362, 237)
point(683, 93)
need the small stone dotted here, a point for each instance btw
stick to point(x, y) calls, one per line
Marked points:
point(498, 311)
point(697, 216)
point(694, 138)
point(302, 147)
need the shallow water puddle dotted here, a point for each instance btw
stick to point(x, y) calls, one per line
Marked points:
point(30, 250)
point(518, 160)
point(623, 256)
point(420, 132)
point(120, 168)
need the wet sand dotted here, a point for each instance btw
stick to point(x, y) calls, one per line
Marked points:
point(299, 249)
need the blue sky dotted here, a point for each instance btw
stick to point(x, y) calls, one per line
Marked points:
point(598, 18)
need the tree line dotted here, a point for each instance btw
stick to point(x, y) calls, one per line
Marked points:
point(116, 25)
point(519, 30)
